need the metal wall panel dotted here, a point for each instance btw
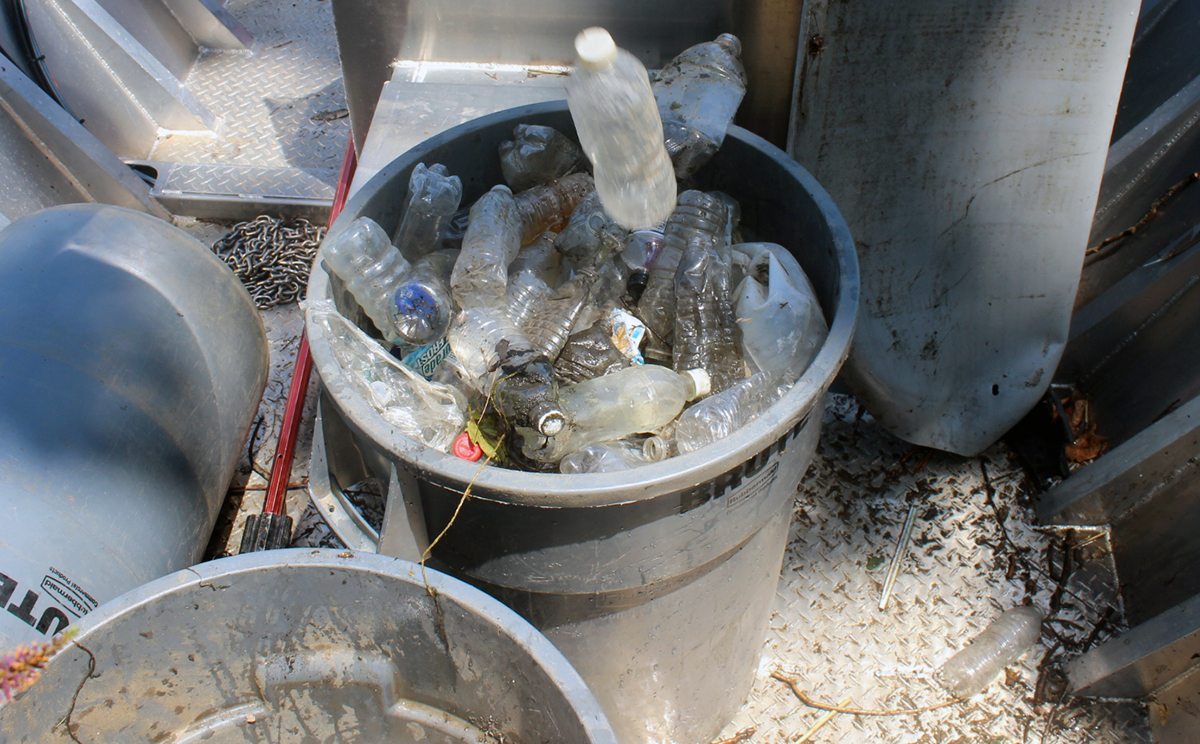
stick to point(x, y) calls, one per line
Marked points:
point(372, 34)
point(965, 144)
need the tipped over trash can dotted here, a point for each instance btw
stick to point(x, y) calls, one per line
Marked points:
point(655, 582)
point(132, 362)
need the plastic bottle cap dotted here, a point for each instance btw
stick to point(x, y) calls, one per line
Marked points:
point(701, 381)
point(596, 48)
point(551, 423)
point(465, 449)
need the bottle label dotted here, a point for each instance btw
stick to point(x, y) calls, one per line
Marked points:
point(628, 334)
point(424, 360)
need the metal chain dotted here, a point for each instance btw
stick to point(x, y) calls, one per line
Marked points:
point(271, 257)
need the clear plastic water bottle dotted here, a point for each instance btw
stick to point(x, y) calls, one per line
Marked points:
point(720, 415)
point(698, 94)
point(537, 155)
point(433, 198)
point(481, 338)
point(423, 304)
point(612, 457)
point(371, 268)
point(549, 325)
point(705, 334)
point(493, 237)
point(629, 401)
point(549, 207)
point(607, 292)
point(972, 669)
point(733, 220)
point(526, 293)
point(619, 128)
point(540, 257)
point(530, 277)
point(699, 218)
point(591, 237)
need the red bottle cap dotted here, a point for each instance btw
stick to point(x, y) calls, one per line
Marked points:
point(465, 449)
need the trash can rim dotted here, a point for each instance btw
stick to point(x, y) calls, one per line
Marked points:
point(600, 489)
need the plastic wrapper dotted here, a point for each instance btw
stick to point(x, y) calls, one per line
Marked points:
point(429, 412)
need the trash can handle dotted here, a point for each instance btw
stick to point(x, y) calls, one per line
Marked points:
point(330, 501)
point(403, 534)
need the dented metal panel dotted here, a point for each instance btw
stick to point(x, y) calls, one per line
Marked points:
point(965, 145)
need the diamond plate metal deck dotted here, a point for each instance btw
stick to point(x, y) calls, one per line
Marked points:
point(971, 556)
point(210, 190)
point(280, 105)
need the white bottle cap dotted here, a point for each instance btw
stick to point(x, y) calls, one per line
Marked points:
point(596, 48)
point(551, 423)
point(701, 381)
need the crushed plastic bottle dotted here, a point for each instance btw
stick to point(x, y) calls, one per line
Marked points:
point(549, 207)
point(617, 119)
point(698, 94)
point(499, 361)
point(527, 394)
point(480, 339)
point(733, 218)
point(537, 155)
point(721, 415)
point(371, 268)
point(423, 305)
point(433, 198)
point(781, 322)
point(589, 353)
point(549, 325)
point(606, 293)
point(591, 237)
point(493, 237)
point(429, 412)
point(704, 323)
point(699, 218)
point(612, 457)
point(540, 257)
point(617, 405)
point(972, 669)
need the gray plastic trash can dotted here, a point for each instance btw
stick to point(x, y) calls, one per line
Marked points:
point(656, 583)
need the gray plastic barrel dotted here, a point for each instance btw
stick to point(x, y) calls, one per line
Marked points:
point(656, 583)
point(131, 365)
point(303, 647)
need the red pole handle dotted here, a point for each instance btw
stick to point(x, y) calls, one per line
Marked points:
point(281, 468)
